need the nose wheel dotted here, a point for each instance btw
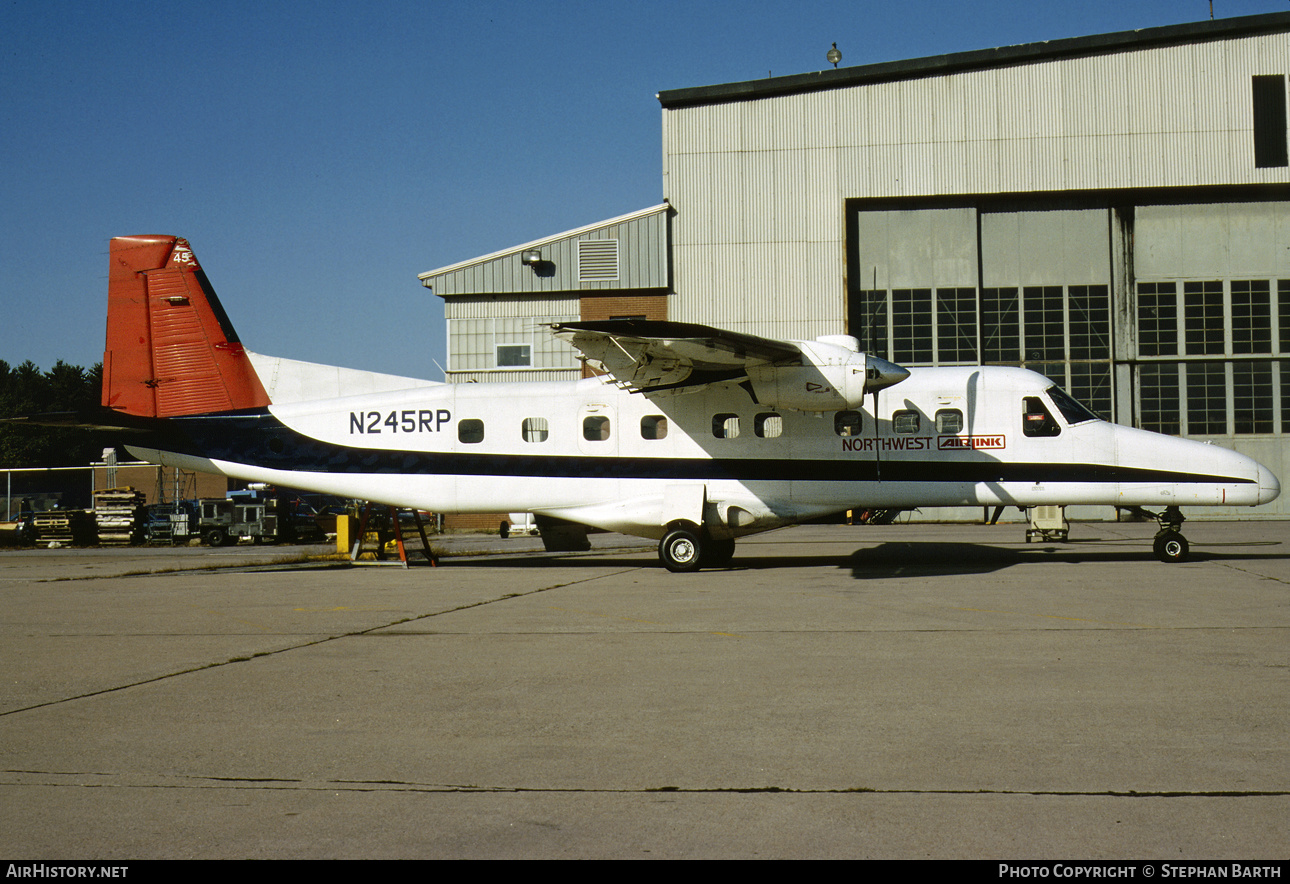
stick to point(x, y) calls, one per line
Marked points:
point(1169, 544)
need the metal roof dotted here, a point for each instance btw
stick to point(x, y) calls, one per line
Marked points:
point(941, 65)
point(628, 252)
point(546, 240)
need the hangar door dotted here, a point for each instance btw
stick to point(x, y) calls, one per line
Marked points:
point(966, 285)
point(1212, 293)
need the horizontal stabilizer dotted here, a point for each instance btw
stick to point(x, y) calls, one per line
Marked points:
point(92, 419)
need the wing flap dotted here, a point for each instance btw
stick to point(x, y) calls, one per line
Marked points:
point(655, 354)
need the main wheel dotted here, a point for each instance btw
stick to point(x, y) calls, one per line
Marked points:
point(216, 537)
point(681, 550)
point(1170, 546)
point(718, 553)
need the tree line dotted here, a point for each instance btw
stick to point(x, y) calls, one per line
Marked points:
point(25, 390)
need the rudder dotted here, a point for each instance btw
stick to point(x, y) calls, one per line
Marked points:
point(171, 349)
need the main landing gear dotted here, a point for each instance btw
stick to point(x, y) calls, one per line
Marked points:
point(686, 547)
point(1170, 545)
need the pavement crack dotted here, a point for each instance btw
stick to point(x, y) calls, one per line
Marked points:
point(308, 644)
point(206, 781)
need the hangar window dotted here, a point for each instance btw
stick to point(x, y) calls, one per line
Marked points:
point(1035, 419)
point(1251, 316)
point(1270, 122)
point(867, 310)
point(1203, 317)
point(1000, 325)
point(534, 429)
point(949, 421)
point(725, 426)
point(595, 428)
point(847, 423)
point(1090, 321)
point(1157, 319)
point(1044, 314)
point(1252, 396)
point(1090, 385)
point(653, 426)
point(956, 325)
point(1284, 371)
point(1206, 398)
point(768, 425)
point(911, 325)
point(1283, 308)
point(470, 431)
point(1158, 405)
point(906, 422)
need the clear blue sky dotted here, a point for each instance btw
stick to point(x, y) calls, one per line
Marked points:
point(319, 155)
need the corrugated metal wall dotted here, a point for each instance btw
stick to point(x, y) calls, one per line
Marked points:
point(642, 262)
point(478, 324)
point(759, 186)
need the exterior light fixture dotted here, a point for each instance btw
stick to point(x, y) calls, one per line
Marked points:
point(531, 257)
point(834, 56)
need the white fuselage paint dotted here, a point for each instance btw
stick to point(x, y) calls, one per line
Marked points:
point(608, 494)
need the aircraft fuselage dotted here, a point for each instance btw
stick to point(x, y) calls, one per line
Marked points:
point(593, 453)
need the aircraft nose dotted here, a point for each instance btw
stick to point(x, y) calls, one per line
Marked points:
point(881, 374)
point(1269, 487)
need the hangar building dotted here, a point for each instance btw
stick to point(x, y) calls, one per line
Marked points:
point(1111, 211)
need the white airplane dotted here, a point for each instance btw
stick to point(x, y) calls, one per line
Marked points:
point(695, 437)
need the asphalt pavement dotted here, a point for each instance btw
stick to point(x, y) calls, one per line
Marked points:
point(903, 691)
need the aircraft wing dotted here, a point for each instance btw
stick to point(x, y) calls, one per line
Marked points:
point(647, 354)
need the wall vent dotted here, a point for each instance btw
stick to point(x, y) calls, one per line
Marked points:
point(597, 260)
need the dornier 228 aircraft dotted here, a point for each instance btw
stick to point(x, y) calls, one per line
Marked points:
point(695, 436)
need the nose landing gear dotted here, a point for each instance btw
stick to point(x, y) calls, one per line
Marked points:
point(1169, 544)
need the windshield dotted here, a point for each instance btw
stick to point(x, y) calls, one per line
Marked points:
point(1070, 409)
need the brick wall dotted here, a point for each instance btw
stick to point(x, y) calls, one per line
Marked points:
point(621, 304)
point(618, 306)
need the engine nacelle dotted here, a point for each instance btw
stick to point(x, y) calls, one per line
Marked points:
point(833, 377)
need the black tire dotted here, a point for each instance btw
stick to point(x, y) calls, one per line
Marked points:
point(681, 551)
point(215, 537)
point(718, 553)
point(1170, 546)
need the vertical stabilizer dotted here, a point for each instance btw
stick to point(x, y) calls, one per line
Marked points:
point(170, 347)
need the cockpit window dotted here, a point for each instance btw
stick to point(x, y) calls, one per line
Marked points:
point(1035, 419)
point(1070, 409)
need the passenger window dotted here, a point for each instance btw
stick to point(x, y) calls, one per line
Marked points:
point(534, 429)
point(595, 428)
point(906, 422)
point(1035, 420)
point(949, 421)
point(470, 431)
point(768, 425)
point(725, 426)
point(847, 423)
point(653, 426)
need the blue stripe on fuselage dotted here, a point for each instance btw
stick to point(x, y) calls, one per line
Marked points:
point(259, 439)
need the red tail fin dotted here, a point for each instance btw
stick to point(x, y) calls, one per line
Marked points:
point(170, 347)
